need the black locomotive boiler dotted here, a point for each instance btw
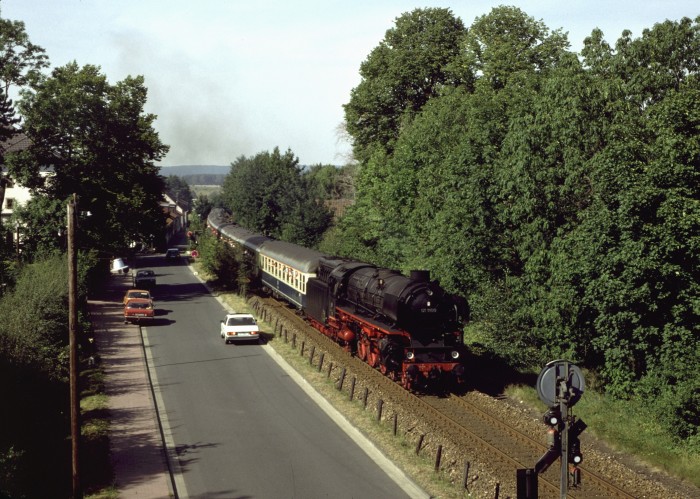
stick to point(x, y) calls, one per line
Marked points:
point(407, 327)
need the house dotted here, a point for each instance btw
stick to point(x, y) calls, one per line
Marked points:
point(176, 217)
point(15, 194)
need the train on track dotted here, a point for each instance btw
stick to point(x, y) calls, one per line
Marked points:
point(407, 327)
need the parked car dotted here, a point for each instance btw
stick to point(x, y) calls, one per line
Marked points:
point(119, 267)
point(145, 278)
point(172, 253)
point(138, 293)
point(239, 327)
point(138, 309)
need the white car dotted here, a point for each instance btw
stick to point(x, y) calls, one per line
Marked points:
point(239, 327)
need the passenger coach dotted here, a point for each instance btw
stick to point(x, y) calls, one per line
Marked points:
point(286, 269)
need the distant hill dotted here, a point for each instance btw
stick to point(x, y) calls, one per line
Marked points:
point(183, 170)
point(198, 174)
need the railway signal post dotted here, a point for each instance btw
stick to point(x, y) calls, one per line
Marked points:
point(559, 385)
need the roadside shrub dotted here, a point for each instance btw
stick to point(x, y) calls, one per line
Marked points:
point(34, 390)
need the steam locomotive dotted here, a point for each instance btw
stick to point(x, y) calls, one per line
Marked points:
point(407, 327)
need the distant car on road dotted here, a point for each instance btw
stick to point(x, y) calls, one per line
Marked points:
point(138, 309)
point(172, 253)
point(137, 293)
point(239, 327)
point(145, 278)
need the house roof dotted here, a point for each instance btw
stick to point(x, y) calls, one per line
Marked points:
point(17, 142)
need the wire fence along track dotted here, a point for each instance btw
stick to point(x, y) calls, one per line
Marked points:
point(459, 422)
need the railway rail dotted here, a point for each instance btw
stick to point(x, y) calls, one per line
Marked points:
point(518, 450)
point(461, 423)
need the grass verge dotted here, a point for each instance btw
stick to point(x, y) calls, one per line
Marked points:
point(96, 470)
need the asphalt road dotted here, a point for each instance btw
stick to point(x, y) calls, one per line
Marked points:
point(237, 424)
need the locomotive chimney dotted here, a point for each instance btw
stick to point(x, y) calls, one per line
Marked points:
point(420, 275)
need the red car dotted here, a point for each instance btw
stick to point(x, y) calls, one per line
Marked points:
point(138, 309)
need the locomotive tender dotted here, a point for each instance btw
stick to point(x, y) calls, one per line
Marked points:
point(407, 327)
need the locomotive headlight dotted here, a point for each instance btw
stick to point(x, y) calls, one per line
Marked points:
point(410, 355)
point(454, 354)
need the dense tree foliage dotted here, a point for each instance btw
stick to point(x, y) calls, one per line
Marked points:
point(220, 260)
point(270, 194)
point(21, 63)
point(559, 194)
point(331, 182)
point(34, 362)
point(204, 179)
point(101, 146)
point(400, 76)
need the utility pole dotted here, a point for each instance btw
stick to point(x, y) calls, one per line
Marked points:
point(73, 344)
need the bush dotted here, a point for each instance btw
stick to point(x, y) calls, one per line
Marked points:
point(34, 362)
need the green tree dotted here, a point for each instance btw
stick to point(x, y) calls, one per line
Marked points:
point(400, 75)
point(43, 226)
point(331, 182)
point(202, 206)
point(560, 195)
point(102, 147)
point(179, 190)
point(268, 194)
point(21, 63)
point(507, 41)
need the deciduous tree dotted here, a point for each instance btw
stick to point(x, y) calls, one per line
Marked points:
point(400, 75)
point(101, 146)
point(21, 64)
point(268, 193)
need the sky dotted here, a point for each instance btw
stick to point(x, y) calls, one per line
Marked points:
point(232, 78)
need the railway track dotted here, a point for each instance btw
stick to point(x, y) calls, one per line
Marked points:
point(461, 423)
point(518, 450)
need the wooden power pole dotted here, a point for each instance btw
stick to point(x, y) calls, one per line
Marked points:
point(73, 344)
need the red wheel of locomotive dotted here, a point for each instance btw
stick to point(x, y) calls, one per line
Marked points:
point(363, 349)
point(373, 357)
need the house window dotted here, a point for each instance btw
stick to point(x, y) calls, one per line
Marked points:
point(9, 204)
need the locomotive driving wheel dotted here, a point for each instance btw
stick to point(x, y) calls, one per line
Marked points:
point(373, 357)
point(363, 348)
